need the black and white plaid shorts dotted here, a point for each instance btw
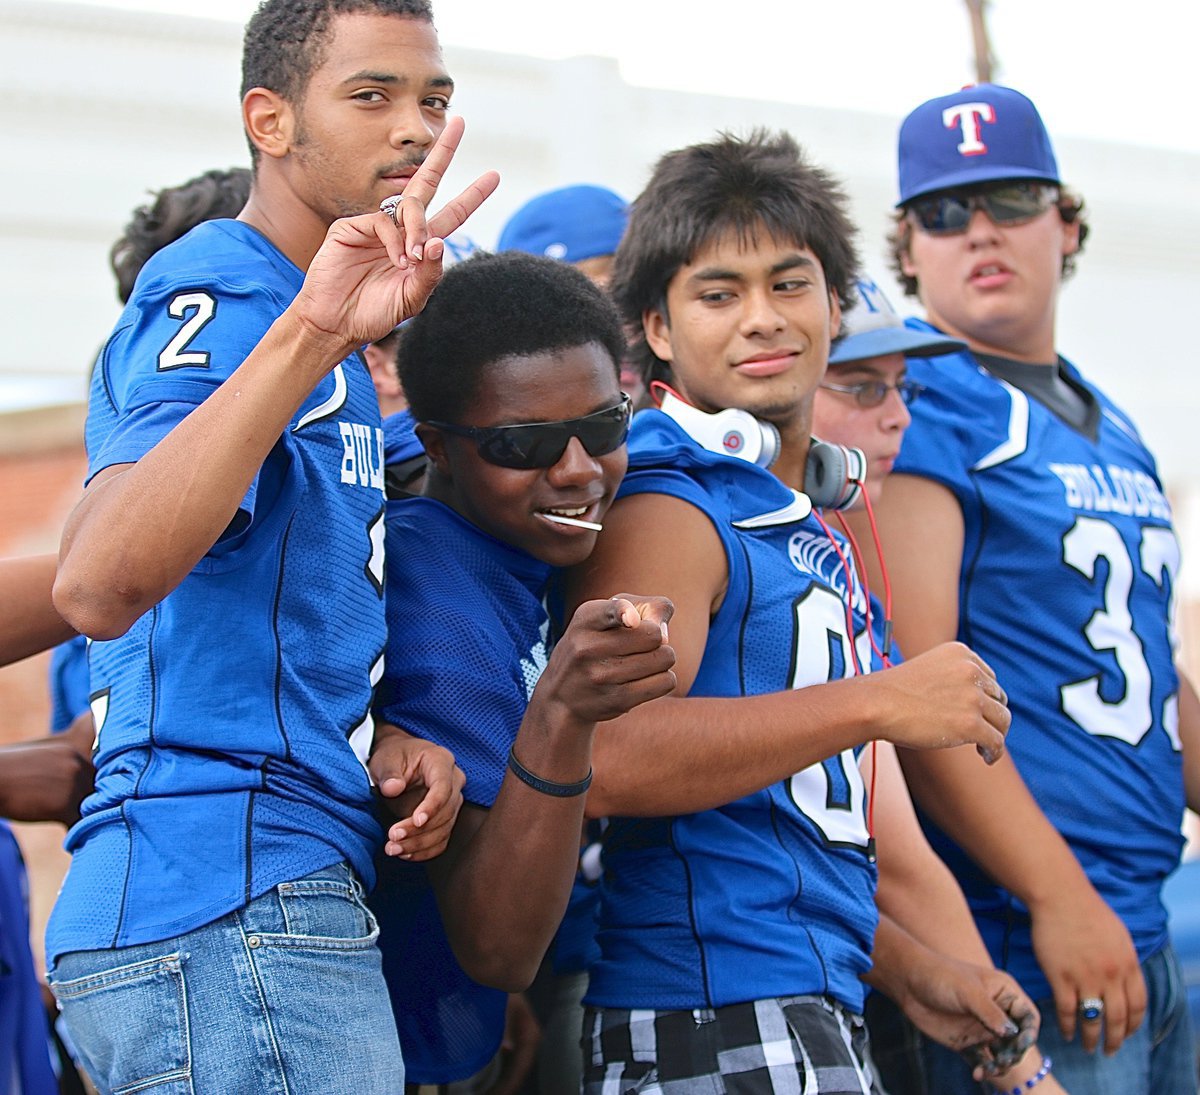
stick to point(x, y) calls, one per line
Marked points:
point(794, 1045)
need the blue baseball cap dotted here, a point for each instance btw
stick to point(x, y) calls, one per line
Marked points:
point(570, 224)
point(981, 134)
point(872, 328)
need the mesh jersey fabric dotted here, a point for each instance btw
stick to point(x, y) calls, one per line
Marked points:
point(69, 683)
point(468, 637)
point(1066, 590)
point(772, 894)
point(25, 1066)
point(225, 714)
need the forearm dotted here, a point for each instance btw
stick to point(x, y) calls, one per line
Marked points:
point(996, 821)
point(916, 889)
point(31, 622)
point(898, 959)
point(503, 892)
point(136, 534)
point(684, 755)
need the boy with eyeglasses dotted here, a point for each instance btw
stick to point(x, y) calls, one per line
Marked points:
point(1027, 519)
point(864, 399)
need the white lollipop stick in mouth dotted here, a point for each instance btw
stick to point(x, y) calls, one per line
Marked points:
point(573, 521)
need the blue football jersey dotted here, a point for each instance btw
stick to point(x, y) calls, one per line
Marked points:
point(772, 894)
point(70, 689)
point(1066, 590)
point(468, 637)
point(234, 715)
point(25, 1066)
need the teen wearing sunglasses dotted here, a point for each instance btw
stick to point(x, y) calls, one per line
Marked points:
point(1026, 515)
point(511, 375)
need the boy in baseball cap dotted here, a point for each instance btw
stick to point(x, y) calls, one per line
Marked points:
point(1026, 515)
point(864, 398)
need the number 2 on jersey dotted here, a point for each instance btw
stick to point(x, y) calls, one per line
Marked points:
point(195, 309)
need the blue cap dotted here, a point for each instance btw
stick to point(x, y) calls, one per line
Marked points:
point(980, 134)
point(571, 224)
point(872, 328)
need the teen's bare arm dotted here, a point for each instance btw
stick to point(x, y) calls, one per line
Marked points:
point(141, 528)
point(1082, 946)
point(682, 754)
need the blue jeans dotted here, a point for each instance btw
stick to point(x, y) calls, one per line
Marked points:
point(283, 997)
point(1159, 1058)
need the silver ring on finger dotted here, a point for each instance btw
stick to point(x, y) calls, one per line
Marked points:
point(1091, 1009)
point(391, 206)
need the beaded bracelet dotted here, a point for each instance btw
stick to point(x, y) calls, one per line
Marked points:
point(1035, 1079)
point(547, 786)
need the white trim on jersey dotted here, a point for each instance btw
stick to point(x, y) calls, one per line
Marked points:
point(332, 404)
point(796, 510)
point(1018, 431)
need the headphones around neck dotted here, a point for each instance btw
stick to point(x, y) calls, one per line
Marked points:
point(833, 474)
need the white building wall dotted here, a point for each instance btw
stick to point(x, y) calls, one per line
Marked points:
point(100, 106)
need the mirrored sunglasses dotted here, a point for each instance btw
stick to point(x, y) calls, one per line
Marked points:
point(949, 213)
point(871, 393)
point(542, 444)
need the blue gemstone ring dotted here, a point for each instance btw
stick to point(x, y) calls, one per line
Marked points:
point(1091, 1008)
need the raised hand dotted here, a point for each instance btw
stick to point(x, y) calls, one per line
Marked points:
point(375, 271)
point(613, 656)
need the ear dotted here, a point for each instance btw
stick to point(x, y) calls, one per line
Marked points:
point(657, 329)
point(835, 315)
point(269, 120)
point(435, 448)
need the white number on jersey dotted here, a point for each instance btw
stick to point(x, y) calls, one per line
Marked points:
point(98, 702)
point(1112, 628)
point(829, 794)
point(202, 308)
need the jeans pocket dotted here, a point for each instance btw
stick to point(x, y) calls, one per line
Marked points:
point(322, 913)
point(1168, 1002)
point(129, 1022)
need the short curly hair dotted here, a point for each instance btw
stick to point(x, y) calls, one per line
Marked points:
point(1070, 208)
point(175, 211)
point(493, 307)
point(285, 39)
point(731, 184)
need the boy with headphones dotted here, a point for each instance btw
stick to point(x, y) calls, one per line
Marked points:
point(738, 906)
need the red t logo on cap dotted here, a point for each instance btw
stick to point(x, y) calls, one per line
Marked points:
point(968, 116)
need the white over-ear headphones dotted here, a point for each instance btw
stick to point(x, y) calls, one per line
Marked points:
point(731, 431)
point(833, 475)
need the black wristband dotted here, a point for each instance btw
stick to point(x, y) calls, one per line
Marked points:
point(547, 786)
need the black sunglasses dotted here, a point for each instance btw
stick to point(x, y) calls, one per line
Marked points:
point(871, 393)
point(949, 213)
point(542, 444)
